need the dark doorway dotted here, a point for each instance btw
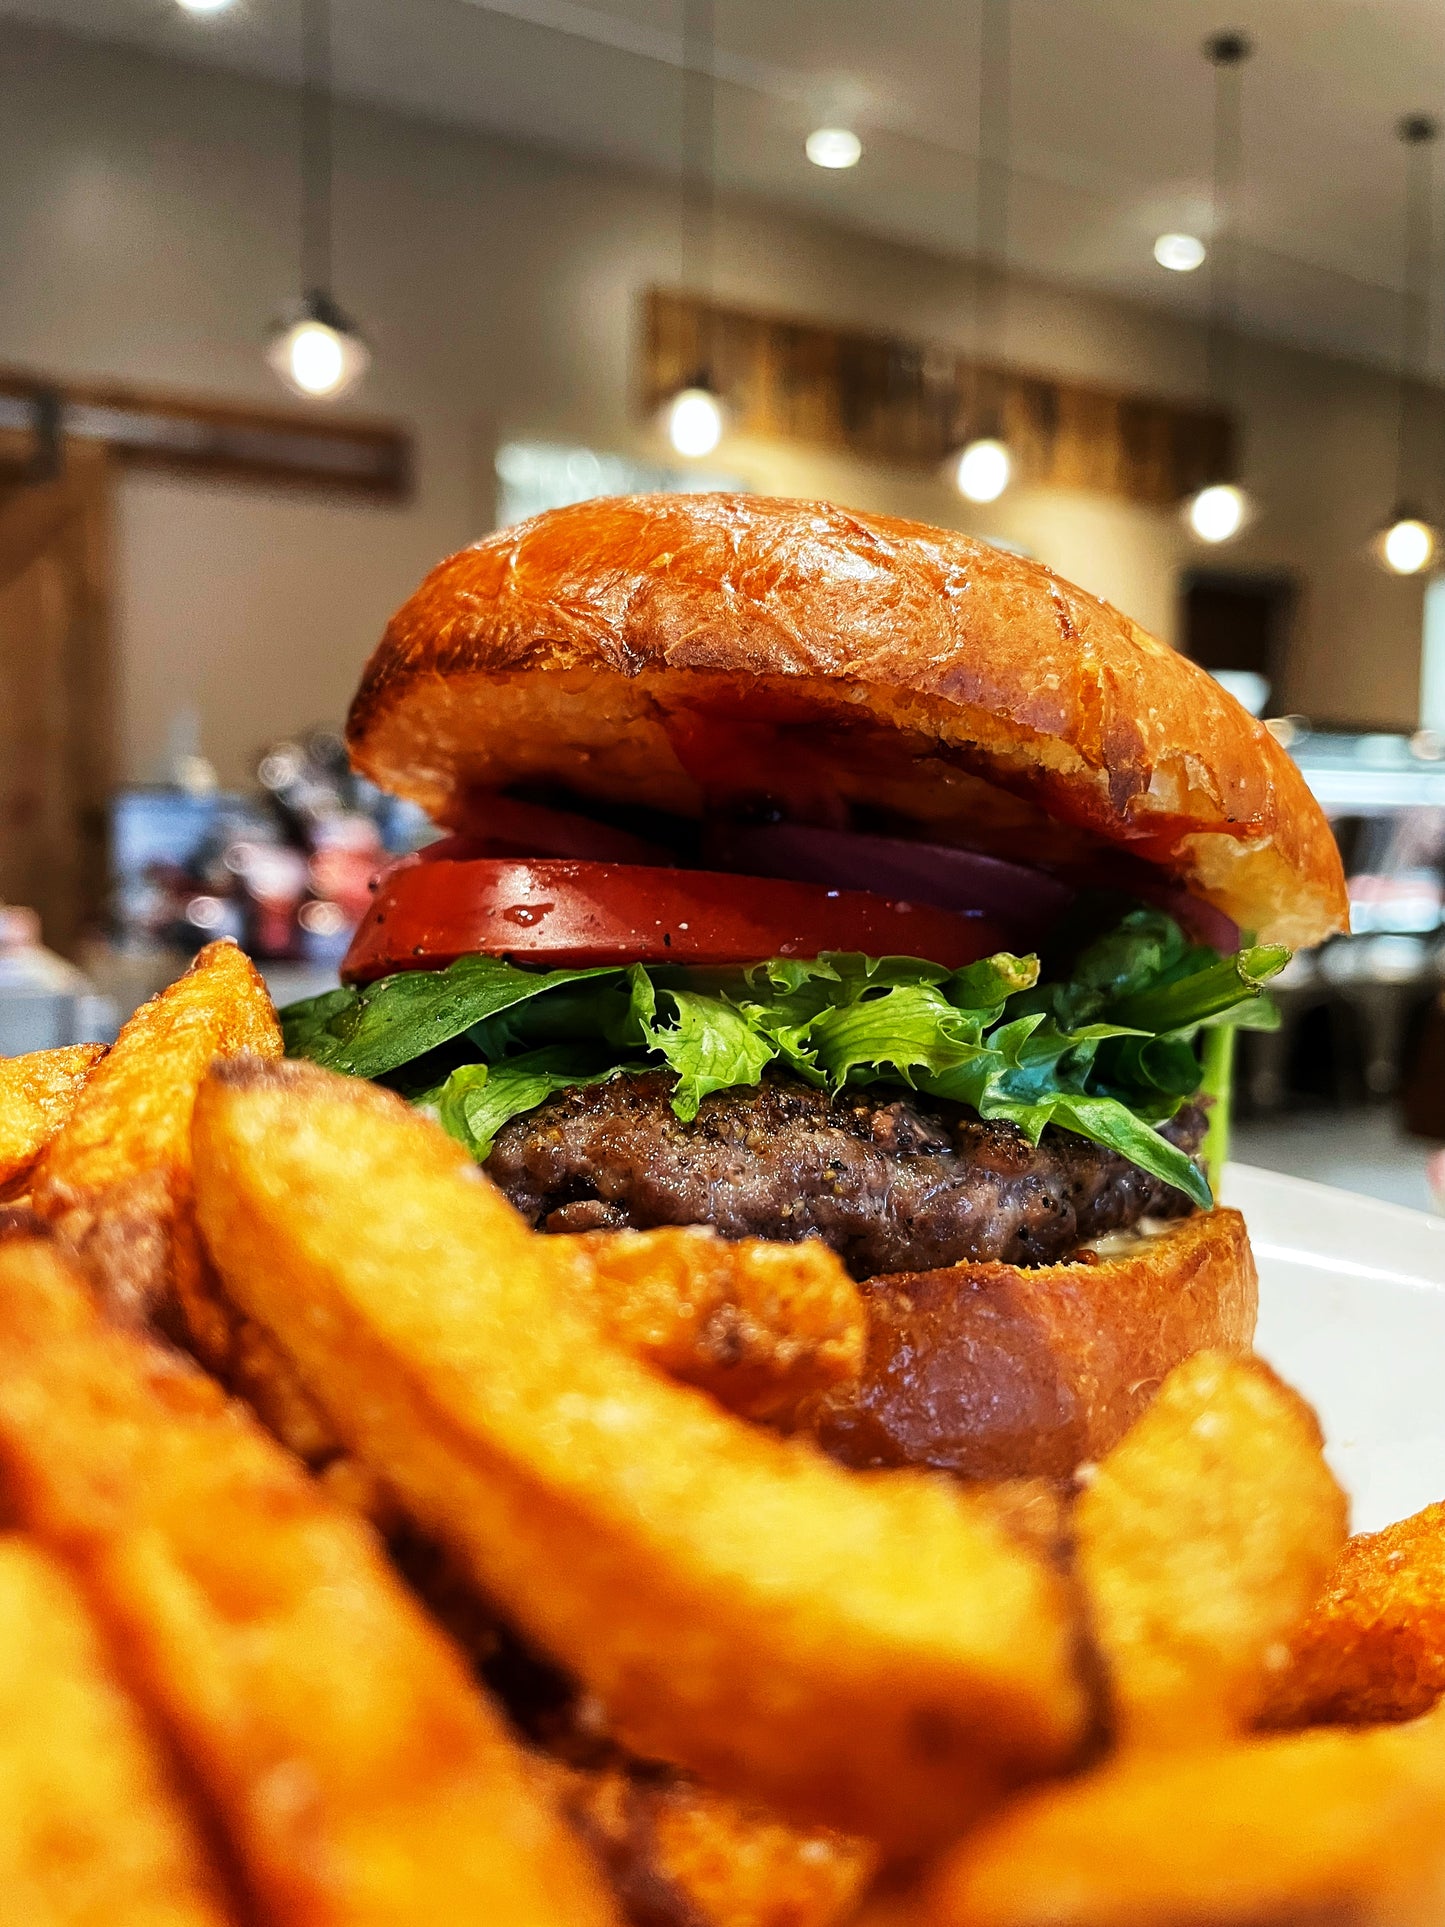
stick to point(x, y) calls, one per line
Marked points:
point(1237, 621)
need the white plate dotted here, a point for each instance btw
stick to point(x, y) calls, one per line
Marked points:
point(1352, 1312)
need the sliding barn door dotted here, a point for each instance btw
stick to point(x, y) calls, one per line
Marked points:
point(56, 731)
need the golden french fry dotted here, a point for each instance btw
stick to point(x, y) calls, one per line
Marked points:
point(1373, 1646)
point(761, 1326)
point(38, 1092)
point(93, 1831)
point(357, 1770)
point(673, 1847)
point(115, 1180)
point(1307, 1827)
point(1202, 1539)
point(873, 1652)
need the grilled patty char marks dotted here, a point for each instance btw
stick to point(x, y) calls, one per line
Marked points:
point(890, 1184)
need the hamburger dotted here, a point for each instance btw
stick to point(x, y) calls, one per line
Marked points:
point(814, 874)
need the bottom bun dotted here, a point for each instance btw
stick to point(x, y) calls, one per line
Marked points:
point(993, 1371)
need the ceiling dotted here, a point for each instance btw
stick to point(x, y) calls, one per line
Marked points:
point(1111, 118)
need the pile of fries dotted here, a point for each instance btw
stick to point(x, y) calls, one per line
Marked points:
point(371, 1558)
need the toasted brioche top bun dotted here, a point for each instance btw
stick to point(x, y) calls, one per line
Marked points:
point(687, 650)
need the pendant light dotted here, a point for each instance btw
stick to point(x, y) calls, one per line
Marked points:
point(693, 417)
point(1407, 543)
point(833, 147)
point(983, 469)
point(315, 348)
point(1220, 509)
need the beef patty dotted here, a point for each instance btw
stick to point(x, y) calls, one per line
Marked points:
point(891, 1183)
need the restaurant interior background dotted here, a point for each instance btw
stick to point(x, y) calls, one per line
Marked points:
point(1158, 267)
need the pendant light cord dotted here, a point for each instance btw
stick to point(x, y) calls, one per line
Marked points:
point(698, 146)
point(1418, 132)
point(992, 203)
point(699, 166)
point(1227, 53)
point(316, 147)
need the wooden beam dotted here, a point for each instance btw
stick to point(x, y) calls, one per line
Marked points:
point(895, 400)
point(154, 428)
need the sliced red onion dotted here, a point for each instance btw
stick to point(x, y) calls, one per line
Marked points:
point(1025, 902)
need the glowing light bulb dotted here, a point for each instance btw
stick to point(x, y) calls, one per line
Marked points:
point(315, 359)
point(317, 352)
point(1217, 512)
point(983, 470)
point(694, 422)
point(833, 147)
point(1408, 546)
point(1180, 253)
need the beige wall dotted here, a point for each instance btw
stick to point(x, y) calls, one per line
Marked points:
point(147, 218)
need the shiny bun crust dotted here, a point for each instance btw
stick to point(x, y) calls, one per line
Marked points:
point(658, 648)
point(996, 1371)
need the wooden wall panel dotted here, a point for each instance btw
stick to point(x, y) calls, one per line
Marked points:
point(894, 400)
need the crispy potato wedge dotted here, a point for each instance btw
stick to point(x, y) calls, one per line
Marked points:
point(1037, 1512)
point(1321, 1827)
point(115, 1180)
point(38, 1092)
point(761, 1326)
point(357, 1771)
point(1201, 1540)
point(1373, 1646)
point(93, 1830)
point(883, 1908)
point(873, 1653)
point(681, 1855)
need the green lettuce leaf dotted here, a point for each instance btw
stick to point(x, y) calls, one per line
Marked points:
point(1215, 990)
point(907, 1027)
point(478, 1099)
point(1144, 948)
point(369, 1031)
point(585, 1010)
point(709, 1044)
point(1108, 1122)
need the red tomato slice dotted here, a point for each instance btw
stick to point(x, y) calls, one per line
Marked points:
point(553, 913)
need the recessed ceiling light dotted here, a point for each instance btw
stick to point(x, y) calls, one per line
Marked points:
point(833, 147)
point(1181, 253)
point(205, 6)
